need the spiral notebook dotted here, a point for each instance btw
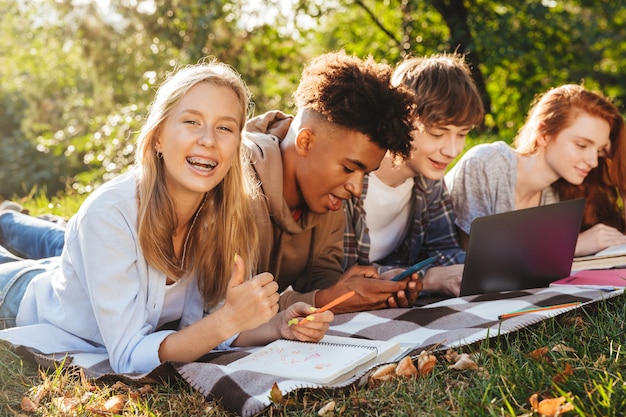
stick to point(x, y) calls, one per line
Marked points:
point(332, 360)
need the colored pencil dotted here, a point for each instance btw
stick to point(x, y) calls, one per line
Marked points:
point(332, 304)
point(537, 310)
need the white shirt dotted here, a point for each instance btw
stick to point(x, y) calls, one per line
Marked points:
point(387, 214)
point(104, 298)
point(174, 301)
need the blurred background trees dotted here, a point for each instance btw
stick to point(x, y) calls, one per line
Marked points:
point(77, 75)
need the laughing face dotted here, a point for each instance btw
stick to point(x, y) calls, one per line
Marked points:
point(199, 139)
point(332, 163)
point(575, 150)
point(435, 148)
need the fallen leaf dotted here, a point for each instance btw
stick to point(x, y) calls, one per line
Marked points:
point(382, 374)
point(576, 322)
point(86, 397)
point(426, 363)
point(464, 361)
point(406, 367)
point(120, 386)
point(276, 396)
point(115, 404)
point(540, 353)
point(451, 355)
point(328, 408)
point(360, 402)
point(28, 405)
point(146, 389)
point(564, 374)
point(550, 407)
point(561, 348)
point(66, 404)
point(40, 392)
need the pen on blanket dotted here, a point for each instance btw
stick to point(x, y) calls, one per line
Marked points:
point(537, 309)
point(410, 271)
point(330, 305)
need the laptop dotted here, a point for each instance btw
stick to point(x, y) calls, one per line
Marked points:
point(521, 249)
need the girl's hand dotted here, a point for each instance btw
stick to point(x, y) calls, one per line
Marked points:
point(250, 303)
point(597, 238)
point(312, 329)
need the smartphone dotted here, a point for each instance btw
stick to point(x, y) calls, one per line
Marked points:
point(413, 269)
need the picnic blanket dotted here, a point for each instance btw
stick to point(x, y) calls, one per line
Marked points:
point(442, 325)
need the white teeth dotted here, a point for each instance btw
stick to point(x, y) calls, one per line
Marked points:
point(202, 163)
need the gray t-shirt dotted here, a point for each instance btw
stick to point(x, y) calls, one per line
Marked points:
point(483, 183)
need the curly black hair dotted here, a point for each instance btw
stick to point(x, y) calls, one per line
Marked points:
point(357, 94)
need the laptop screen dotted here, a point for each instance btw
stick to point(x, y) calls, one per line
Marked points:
point(527, 248)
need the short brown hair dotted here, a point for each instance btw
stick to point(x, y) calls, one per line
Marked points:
point(445, 92)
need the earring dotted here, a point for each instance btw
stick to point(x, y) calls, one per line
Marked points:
point(159, 154)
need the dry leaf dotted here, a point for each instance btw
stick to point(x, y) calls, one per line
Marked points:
point(426, 363)
point(120, 386)
point(382, 374)
point(564, 374)
point(561, 348)
point(115, 404)
point(406, 367)
point(360, 402)
point(134, 395)
point(539, 354)
point(464, 361)
point(28, 405)
point(576, 322)
point(451, 355)
point(328, 408)
point(66, 404)
point(550, 407)
point(276, 396)
point(40, 392)
point(86, 397)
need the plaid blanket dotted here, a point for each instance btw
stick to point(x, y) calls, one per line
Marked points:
point(449, 323)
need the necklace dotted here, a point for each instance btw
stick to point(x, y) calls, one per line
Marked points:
point(193, 222)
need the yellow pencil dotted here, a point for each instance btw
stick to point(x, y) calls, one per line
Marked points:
point(537, 309)
point(330, 305)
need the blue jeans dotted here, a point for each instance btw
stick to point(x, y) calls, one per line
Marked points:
point(28, 246)
point(29, 237)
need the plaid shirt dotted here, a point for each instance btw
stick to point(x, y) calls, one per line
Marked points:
point(430, 232)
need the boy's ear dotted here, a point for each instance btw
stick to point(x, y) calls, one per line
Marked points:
point(304, 140)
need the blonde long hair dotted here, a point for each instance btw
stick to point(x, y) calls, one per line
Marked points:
point(224, 226)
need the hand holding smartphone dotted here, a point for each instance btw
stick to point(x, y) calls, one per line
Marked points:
point(413, 269)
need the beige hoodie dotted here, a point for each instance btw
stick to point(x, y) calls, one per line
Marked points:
point(305, 255)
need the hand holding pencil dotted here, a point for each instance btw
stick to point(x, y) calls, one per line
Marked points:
point(328, 306)
point(314, 325)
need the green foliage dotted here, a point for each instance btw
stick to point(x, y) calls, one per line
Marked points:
point(77, 79)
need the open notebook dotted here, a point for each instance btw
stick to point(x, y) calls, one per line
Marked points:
point(331, 361)
point(611, 257)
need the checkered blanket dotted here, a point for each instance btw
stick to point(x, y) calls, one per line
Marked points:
point(450, 323)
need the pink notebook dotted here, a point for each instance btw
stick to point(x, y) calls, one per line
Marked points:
point(595, 278)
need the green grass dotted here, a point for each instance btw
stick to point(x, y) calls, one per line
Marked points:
point(593, 337)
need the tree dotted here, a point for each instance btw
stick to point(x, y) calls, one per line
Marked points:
point(77, 80)
point(516, 50)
